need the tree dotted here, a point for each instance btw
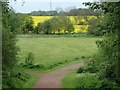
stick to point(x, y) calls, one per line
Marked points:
point(28, 25)
point(92, 29)
point(55, 25)
point(39, 28)
point(109, 52)
point(47, 27)
point(68, 25)
point(9, 48)
point(11, 76)
point(61, 23)
point(15, 21)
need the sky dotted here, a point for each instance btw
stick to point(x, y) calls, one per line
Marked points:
point(27, 6)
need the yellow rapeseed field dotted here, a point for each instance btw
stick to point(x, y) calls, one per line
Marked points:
point(41, 19)
point(78, 28)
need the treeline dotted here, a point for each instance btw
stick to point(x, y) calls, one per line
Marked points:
point(72, 12)
point(103, 69)
point(57, 24)
point(12, 77)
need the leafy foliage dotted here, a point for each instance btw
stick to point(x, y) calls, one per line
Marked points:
point(15, 80)
point(9, 48)
point(107, 60)
point(11, 78)
point(29, 59)
point(93, 27)
point(28, 25)
point(93, 82)
point(59, 24)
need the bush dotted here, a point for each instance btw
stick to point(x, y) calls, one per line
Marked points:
point(29, 62)
point(83, 57)
point(29, 59)
point(66, 60)
point(60, 62)
point(28, 25)
point(95, 27)
point(109, 84)
point(9, 49)
point(80, 70)
point(15, 79)
point(88, 81)
point(31, 66)
point(76, 58)
point(89, 67)
point(20, 75)
point(93, 82)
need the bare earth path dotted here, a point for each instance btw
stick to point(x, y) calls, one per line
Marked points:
point(53, 79)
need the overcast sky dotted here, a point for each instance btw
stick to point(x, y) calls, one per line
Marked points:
point(26, 6)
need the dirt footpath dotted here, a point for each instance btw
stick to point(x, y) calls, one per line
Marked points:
point(53, 79)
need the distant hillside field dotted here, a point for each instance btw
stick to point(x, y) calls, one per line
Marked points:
point(80, 23)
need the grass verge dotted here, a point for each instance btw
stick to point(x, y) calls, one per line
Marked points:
point(31, 81)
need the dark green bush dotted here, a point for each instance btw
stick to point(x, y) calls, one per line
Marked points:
point(82, 56)
point(66, 60)
point(12, 82)
point(31, 66)
point(109, 84)
point(91, 81)
point(15, 79)
point(29, 62)
point(60, 62)
point(88, 81)
point(51, 66)
point(76, 58)
point(81, 23)
point(80, 70)
point(90, 67)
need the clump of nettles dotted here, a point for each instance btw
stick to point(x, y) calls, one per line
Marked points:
point(29, 62)
point(29, 59)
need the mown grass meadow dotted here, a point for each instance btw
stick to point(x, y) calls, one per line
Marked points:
point(49, 51)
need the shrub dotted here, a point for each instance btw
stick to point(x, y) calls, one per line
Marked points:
point(108, 84)
point(31, 66)
point(60, 62)
point(83, 57)
point(89, 67)
point(80, 70)
point(88, 81)
point(76, 58)
point(66, 60)
point(29, 59)
point(15, 79)
point(93, 82)
point(95, 26)
point(37, 66)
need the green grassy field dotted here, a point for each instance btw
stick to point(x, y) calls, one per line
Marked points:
point(70, 79)
point(52, 50)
